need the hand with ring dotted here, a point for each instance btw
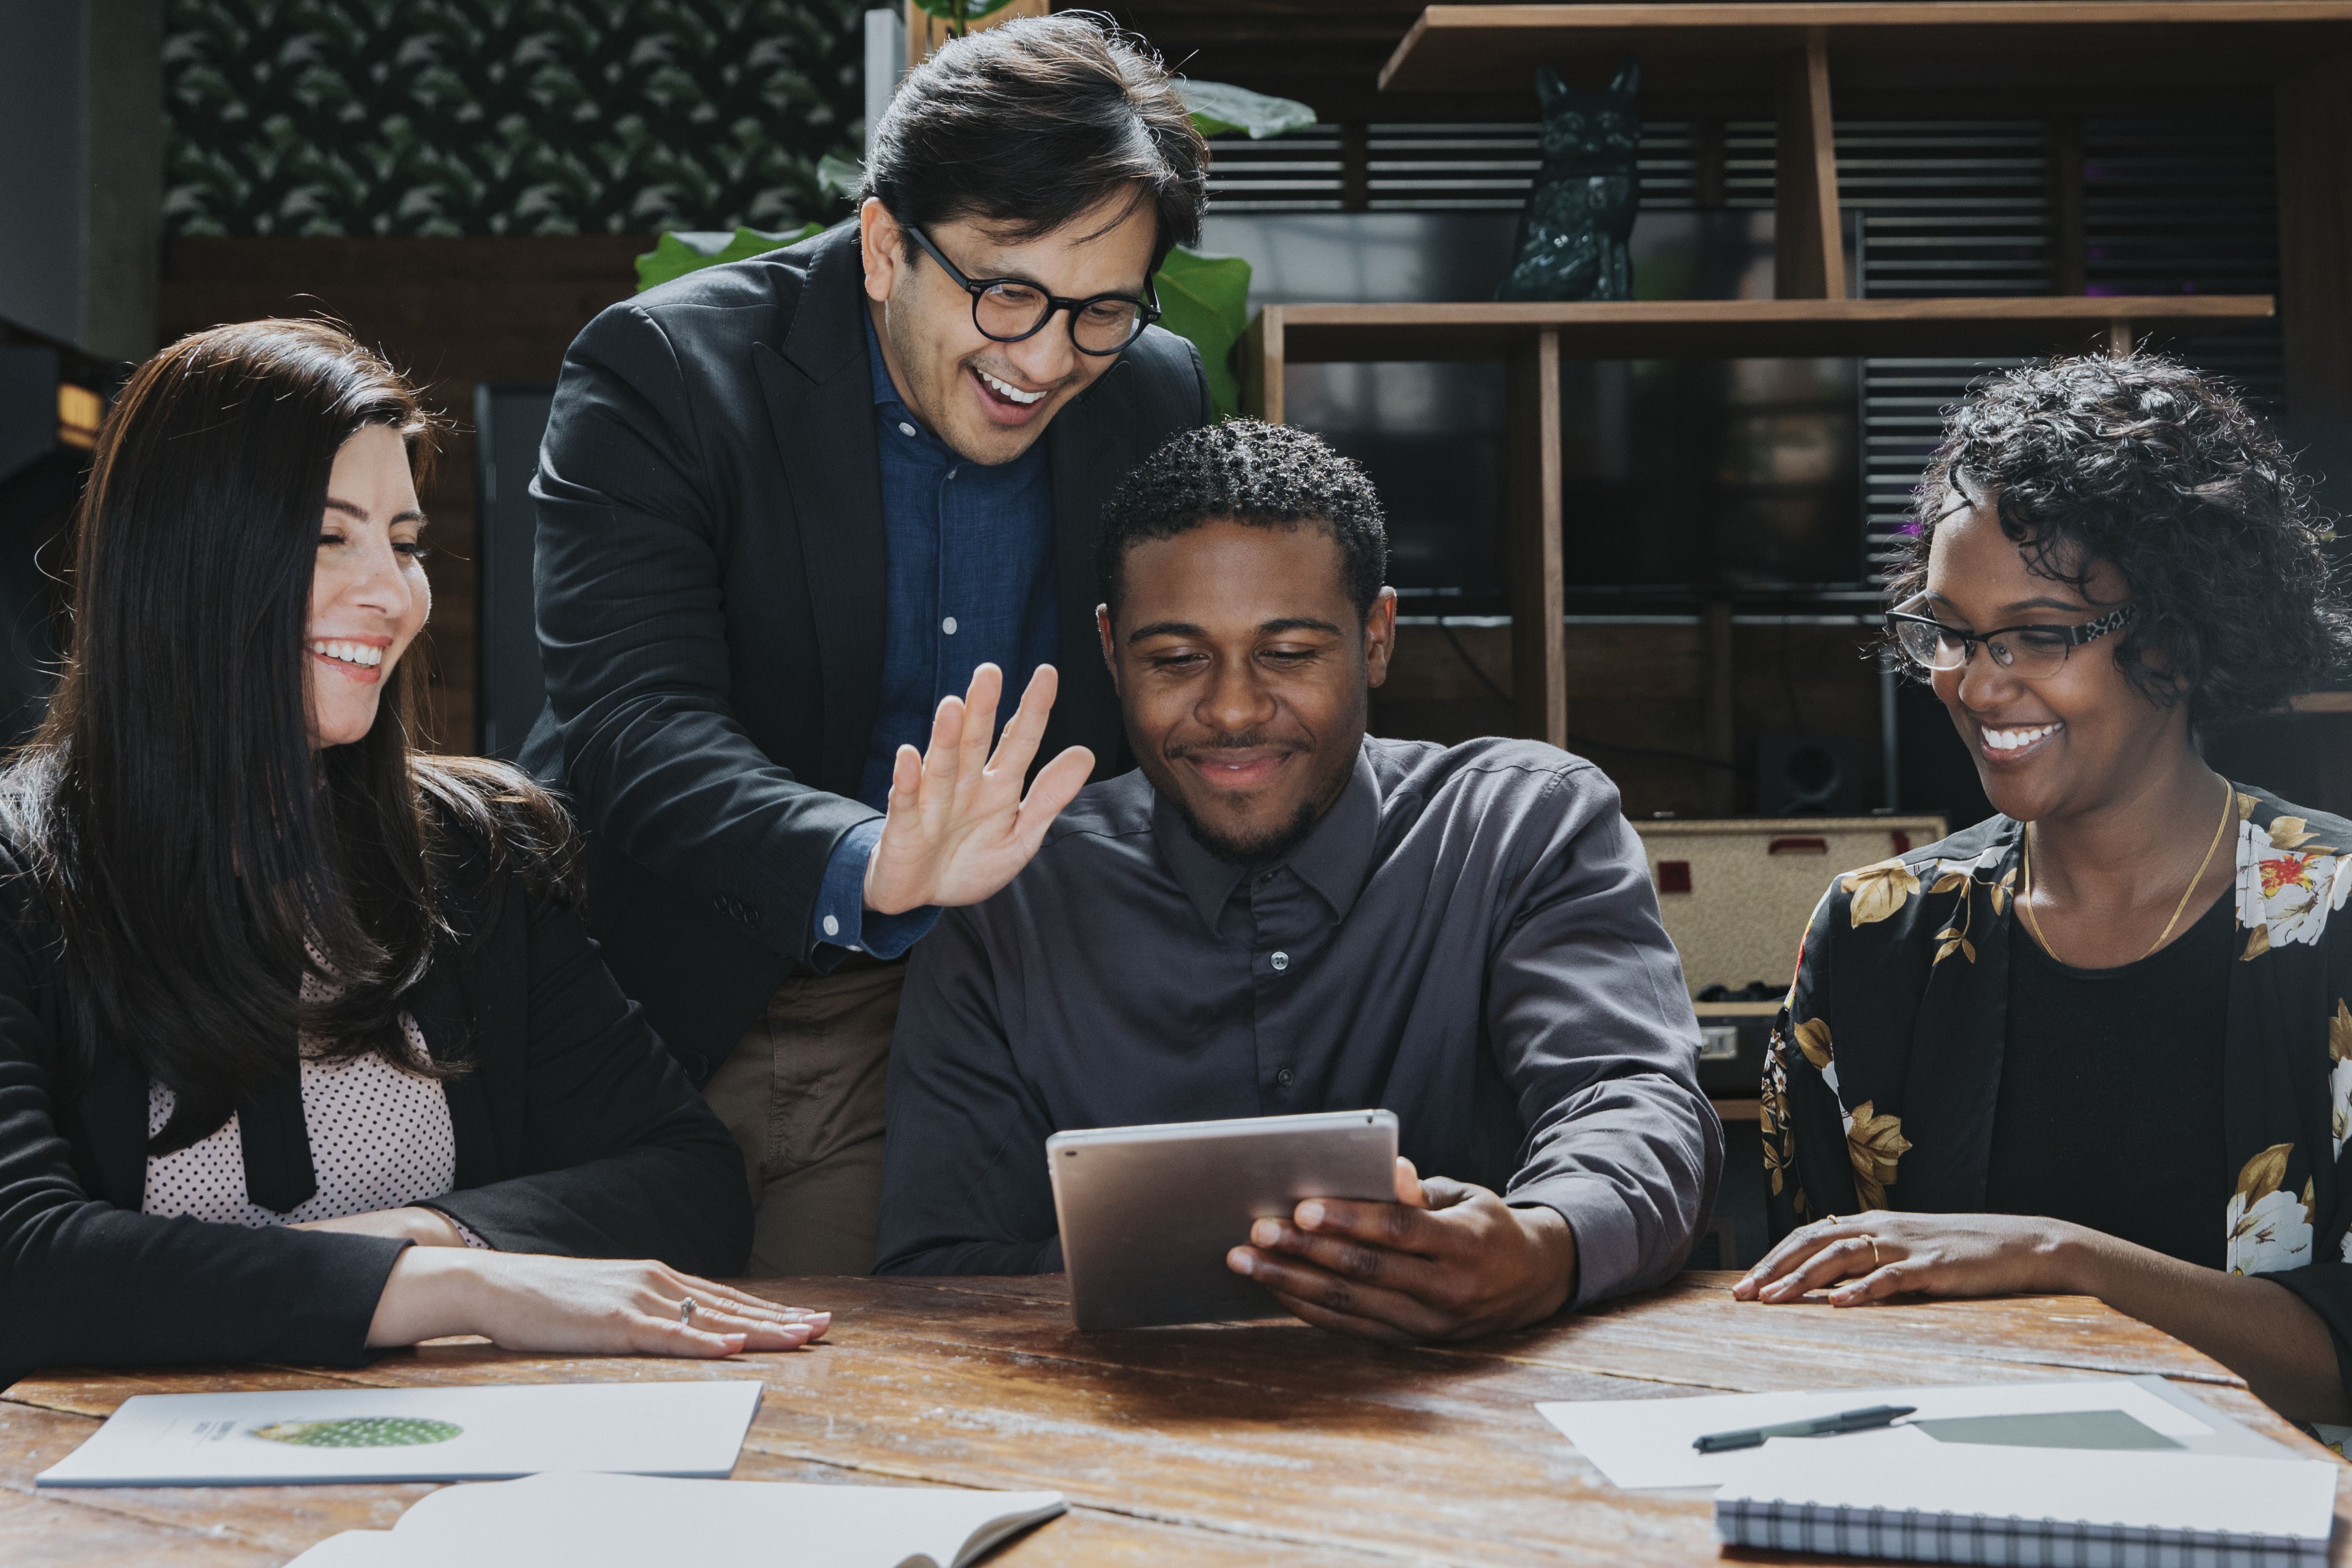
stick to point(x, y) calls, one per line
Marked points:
point(524, 1302)
point(1869, 1257)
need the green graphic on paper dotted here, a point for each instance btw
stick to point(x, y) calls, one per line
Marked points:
point(360, 1431)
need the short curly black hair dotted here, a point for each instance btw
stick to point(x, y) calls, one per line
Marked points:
point(1268, 476)
point(2168, 475)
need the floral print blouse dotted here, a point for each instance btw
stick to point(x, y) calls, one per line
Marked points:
point(1880, 1087)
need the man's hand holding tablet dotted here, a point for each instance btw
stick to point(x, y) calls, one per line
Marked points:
point(1445, 1261)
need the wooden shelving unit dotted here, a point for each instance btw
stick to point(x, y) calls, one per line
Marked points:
point(1924, 58)
point(1533, 338)
point(1942, 48)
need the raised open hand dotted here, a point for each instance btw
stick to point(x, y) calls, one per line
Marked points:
point(957, 828)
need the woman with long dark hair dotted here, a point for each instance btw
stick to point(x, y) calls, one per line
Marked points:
point(2099, 1044)
point(303, 1048)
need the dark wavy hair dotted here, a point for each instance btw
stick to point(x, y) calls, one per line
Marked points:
point(2166, 474)
point(174, 820)
point(1268, 476)
point(1036, 123)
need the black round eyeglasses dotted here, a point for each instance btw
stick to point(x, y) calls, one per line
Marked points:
point(1007, 310)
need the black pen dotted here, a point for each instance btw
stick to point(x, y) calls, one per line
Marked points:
point(1819, 1426)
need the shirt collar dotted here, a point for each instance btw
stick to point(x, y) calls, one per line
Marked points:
point(1333, 858)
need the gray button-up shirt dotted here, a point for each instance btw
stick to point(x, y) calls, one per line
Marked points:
point(1468, 939)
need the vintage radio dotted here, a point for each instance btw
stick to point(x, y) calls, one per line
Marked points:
point(1735, 896)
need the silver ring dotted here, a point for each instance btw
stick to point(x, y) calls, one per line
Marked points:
point(685, 1311)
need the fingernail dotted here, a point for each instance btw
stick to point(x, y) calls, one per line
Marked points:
point(1310, 1213)
point(1240, 1262)
point(1265, 1233)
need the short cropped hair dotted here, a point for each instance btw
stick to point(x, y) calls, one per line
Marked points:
point(2168, 475)
point(1264, 476)
point(1035, 123)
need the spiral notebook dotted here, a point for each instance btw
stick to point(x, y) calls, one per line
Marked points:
point(1902, 1494)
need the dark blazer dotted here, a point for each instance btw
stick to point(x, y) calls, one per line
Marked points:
point(711, 601)
point(575, 1132)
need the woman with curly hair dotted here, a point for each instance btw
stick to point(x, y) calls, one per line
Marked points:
point(303, 1048)
point(2100, 1044)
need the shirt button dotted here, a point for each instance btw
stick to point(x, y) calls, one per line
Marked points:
point(1284, 1078)
point(905, 428)
point(832, 925)
point(948, 626)
point(1280, 961)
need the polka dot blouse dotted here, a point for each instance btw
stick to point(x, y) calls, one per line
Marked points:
point(380, 1139)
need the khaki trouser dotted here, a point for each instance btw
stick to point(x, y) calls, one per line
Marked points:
point(802, 1093)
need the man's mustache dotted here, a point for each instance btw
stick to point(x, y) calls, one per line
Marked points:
point(1247, 741)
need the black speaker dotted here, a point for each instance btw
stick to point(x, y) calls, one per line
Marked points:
point(1811, 776)
point(509, 420)
point(1933, 769)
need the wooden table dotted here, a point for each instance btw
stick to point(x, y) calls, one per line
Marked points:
point(1259, 1444)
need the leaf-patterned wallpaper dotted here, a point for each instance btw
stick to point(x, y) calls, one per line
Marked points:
point(375, 117)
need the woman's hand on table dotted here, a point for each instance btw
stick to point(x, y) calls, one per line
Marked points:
point(1869, 1256)
point(525, 1301)
point(1445, 1261)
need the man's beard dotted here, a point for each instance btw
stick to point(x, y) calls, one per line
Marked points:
point(1262, 851)
point(1259, 852)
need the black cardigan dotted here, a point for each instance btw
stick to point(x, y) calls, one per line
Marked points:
point(577, 1134)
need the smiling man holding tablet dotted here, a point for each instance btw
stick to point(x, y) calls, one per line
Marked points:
point(1276, 915)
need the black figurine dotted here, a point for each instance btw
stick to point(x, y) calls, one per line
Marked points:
point(1579, 212)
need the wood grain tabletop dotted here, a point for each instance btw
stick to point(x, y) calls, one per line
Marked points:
point(1268, 1443)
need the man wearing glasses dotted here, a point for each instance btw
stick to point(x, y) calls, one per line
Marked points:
point(802, 520)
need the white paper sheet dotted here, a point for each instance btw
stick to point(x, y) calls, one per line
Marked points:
point(1901, 1469)
point(630, 1522)
point(1640, 1442)
point(414, 1435)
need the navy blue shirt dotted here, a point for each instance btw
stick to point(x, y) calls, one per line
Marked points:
point(968, 581)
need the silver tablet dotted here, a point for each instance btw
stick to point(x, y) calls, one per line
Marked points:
point(1148, 1214)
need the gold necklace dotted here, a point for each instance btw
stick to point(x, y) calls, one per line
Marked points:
point(2026, 894)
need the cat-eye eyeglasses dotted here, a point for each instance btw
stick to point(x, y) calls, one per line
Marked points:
point(2029, 652)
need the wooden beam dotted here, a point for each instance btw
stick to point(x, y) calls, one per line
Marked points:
point(1719, 737)
point(1739, 328)
point(2070, 243)
point(1262, 367)
point(1713, 181)
point(1808, 246)
point(2119, 338)
point(1941, 55)
point(2315, 203)
point(1356, 167)
point(1539, 644)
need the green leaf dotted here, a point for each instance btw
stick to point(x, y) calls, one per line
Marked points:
point(1206, 298)
point(682, 251)
point(949, 11)
point(839, 176)
point(1217, 107)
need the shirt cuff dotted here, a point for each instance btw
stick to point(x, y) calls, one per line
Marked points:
point(842, 917)
point(1608, 1248)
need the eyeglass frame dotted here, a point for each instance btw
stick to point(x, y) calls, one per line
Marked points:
point(1147, 308)
point(2088, 631)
